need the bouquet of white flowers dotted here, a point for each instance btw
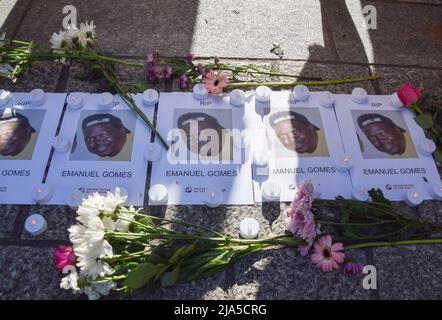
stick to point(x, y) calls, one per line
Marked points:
point(119, 248)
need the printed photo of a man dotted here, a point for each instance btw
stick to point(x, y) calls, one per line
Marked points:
point(17, 135)
point(294, 132)
point(382, 137)
point(105, 137)
point(194, 122)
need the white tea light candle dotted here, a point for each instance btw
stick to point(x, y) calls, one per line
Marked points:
point(152, 152)
point(360, 193)
point(42, 193)
point(395, 101)
point(427, 147)
point(271, 191)
point(260, 158)
point(200, 92)
point(37, 97)
point(75, 101)
point(150, 97)
point(343, 163)
point(436, 191)
point(74, 199)
point(413, 198)
point(326, 99)
point(249, 228)
point(62, 143)
point(213, 198)
point(35, 224)
point(300, 92)
point(158, 194)
point(359, 95)
point(242, 141)
point(263, 94)
point(5, 96)
point(237, 98)
point(106, 100)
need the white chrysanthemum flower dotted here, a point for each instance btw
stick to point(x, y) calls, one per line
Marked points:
point(88, 238)
point(72, 32)
point(125, 218)
point(89, 30)
point(60, 40)
point(83, 40)
point(108, 223)
point(70, 281)
point(91, 293)
point(95, 290)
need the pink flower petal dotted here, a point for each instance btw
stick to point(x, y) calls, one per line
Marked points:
point(337, 246)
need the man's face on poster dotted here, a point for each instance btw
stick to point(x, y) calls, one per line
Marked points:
point(105, 139)
point(14, 137)
point(297, 136)
point(195, 140)
point(385, 137)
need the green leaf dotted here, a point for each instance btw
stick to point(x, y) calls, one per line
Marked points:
point(141, 275)
point(156, 258)
point(136, 228)
point(378, 196)
point(424, 120)
point(181, 252)
point(169, 278)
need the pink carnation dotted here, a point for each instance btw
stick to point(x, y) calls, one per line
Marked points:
point(326, 255)
point(302, 221)
point(215, 82)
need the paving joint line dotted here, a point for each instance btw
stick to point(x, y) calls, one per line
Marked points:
point(33, 243)
point(22, 19)
point(328, 30)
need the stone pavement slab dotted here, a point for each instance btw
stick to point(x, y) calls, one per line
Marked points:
point(8, 214)
point(285, 274)
point(44, 75)
point(429, 79)
point(409, 272)
point(28, 273)
point(11, 14)
point(406, 34)
point(235, 28)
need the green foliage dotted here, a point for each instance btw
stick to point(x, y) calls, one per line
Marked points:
point(378, 196)
point(425, 121)
point(141, 275)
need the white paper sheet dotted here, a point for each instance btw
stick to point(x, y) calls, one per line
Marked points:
point(95, 170)
point(22, 172)
point(288, 166)
point(189, 183)
point(386, 154)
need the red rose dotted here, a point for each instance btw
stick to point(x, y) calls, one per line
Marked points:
point(408, 94)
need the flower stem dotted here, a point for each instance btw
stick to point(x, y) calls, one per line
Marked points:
point(361, 224)
point(311, 83)
point(388, 244)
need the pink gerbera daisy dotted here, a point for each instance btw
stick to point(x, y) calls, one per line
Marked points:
point(326, 255)
point(215, 82)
